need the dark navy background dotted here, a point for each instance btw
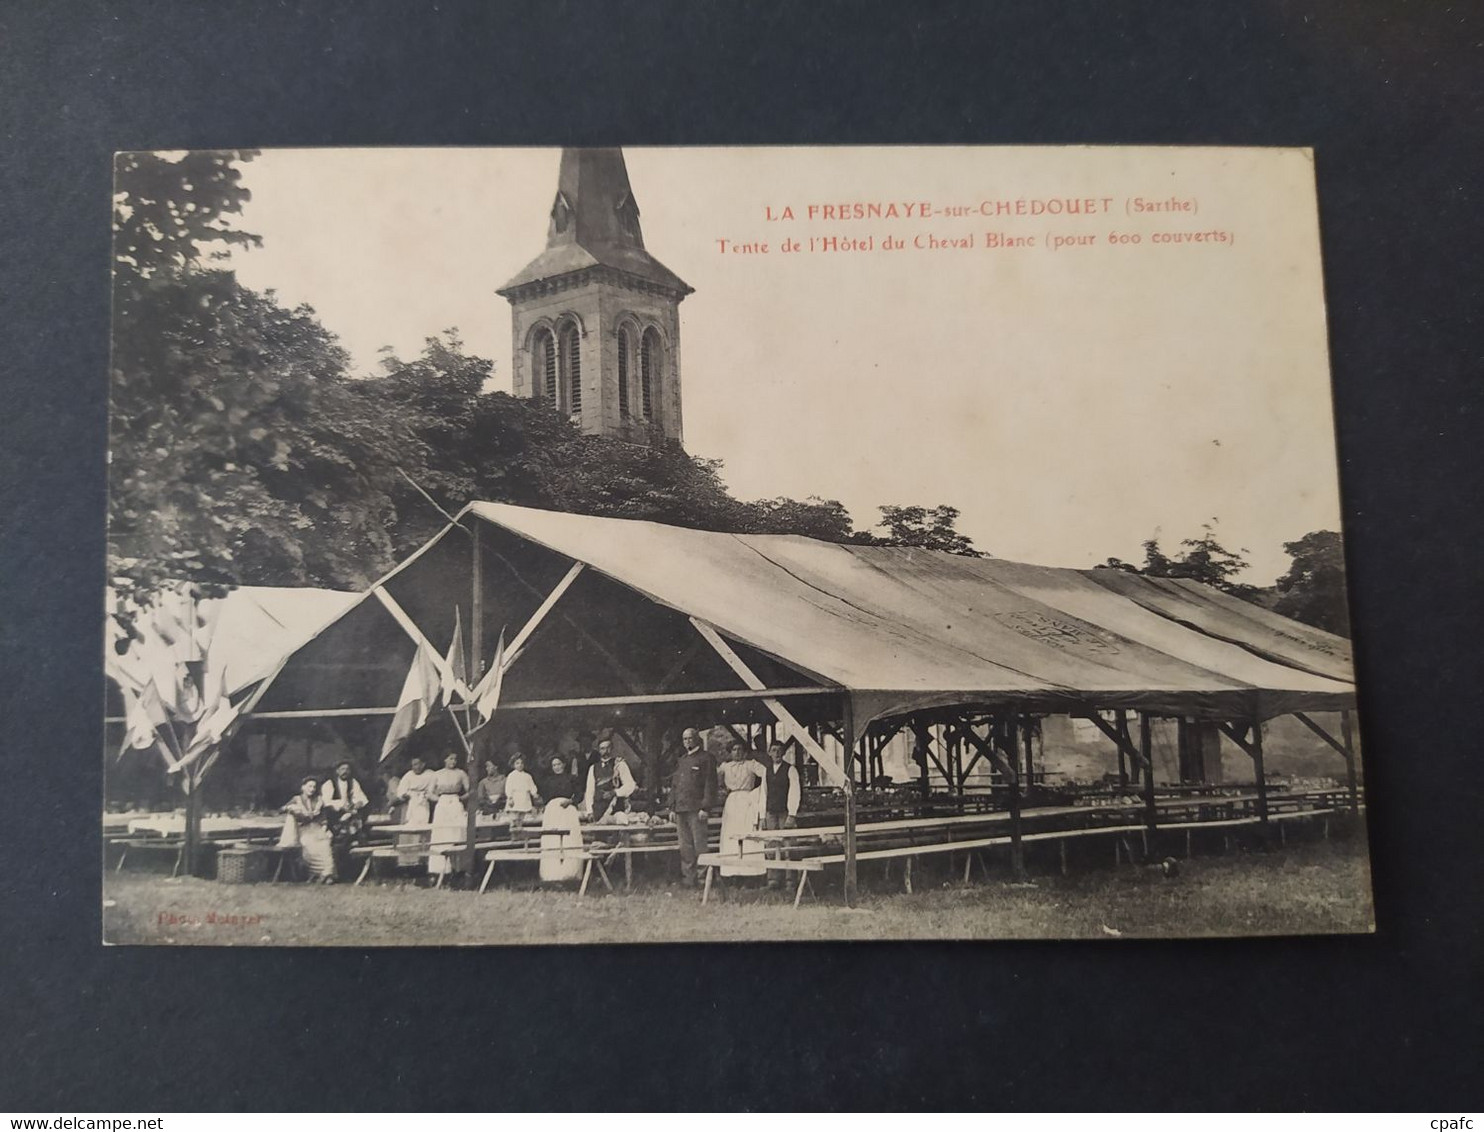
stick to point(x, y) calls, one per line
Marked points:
point(1390, 97)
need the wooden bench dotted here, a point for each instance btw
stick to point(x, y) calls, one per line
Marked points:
point(909, 852)
point(627, 851)
point(804, 867)
point(415, 854)
point(176, 844)
point(494, 856)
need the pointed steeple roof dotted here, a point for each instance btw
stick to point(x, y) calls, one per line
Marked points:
point(595, 223)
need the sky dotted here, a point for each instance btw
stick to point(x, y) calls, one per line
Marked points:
point(1072, 397)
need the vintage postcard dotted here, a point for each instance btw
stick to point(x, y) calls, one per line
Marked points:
point(630, 545)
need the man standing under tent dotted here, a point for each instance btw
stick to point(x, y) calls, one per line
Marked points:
point(781, 796)
point(692, 798)
point(609, 781)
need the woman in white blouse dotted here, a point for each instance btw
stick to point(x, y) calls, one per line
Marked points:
point(416, 789)
point(449, 786)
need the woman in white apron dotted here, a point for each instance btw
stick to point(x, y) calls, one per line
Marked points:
point(561, 852)
point(741, 777)
point(450, 824)
point(307, 828)
point(415, 790)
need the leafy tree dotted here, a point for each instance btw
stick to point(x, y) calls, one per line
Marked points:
point(818, 518)
point(1313, 590)
point(239, 450)
point(603, 476)
point(932, 528)
point(166, 211)
point(240, 453)
point(472, 444)
point(1202, 559)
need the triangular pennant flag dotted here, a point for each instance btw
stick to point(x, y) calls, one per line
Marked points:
point(139, 728)
point(419, 694)
point(455, 673)
point(487, 695)
point(148, 709)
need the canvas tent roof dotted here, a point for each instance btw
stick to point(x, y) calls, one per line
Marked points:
point(252, 629)
point(900, 629)
point(908, 628)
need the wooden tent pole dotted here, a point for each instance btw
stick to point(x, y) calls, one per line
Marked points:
point(1347, 737)
point(848, 729)
point(191, 782)
point(1017, 849)
point(1027, 729)
point(1122, 725)
point(922, 740)
point(1146, 748)
point(476, 670)
point(1257, 766)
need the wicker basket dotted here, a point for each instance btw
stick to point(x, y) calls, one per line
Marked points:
point(241, 866)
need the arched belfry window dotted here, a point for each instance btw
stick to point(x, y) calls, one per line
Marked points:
point(571, 339)
point(651, 366)
point(544, 366)
point(624, 346)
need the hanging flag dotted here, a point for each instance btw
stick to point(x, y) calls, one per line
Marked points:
point(210, 731)
point(139, 727)
point(487, 694)
point(419, 695)
point(455, 673)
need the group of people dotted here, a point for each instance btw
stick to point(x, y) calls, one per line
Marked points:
point(754, 794)
point(325, 819)
point(561, 800)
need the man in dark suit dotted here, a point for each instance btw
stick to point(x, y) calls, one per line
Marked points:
point(692, 798)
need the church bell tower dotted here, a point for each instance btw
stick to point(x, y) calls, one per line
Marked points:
point(596, 317)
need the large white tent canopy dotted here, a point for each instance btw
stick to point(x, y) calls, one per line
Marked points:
point(898, 629)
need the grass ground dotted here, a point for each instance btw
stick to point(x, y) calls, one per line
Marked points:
point(1312, 888)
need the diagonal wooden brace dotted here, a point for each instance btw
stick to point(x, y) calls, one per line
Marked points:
point(1120, 740)
point(1323, 734)
point(833, 769)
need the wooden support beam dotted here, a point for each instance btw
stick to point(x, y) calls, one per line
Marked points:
point(890, 730)
point(1253, 748)
point(1323, 734)
point(409, 626)
point(1146, 751)
point(965, 729)
point(841, 772)
point(548, 602)
point(1009, 768)
point(923, 751)
point(476, 662)
point(1119, 736)
point(847, 725)
point(1017, 850)
point(1127, 739)
point(1027, 731)
point(1344, 745)
point(1237, 735)
point(1262, 777)
point(512, 651)
point(678, 667)
point(1348, 738)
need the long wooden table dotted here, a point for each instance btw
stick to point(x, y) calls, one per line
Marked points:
point(173, 825)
